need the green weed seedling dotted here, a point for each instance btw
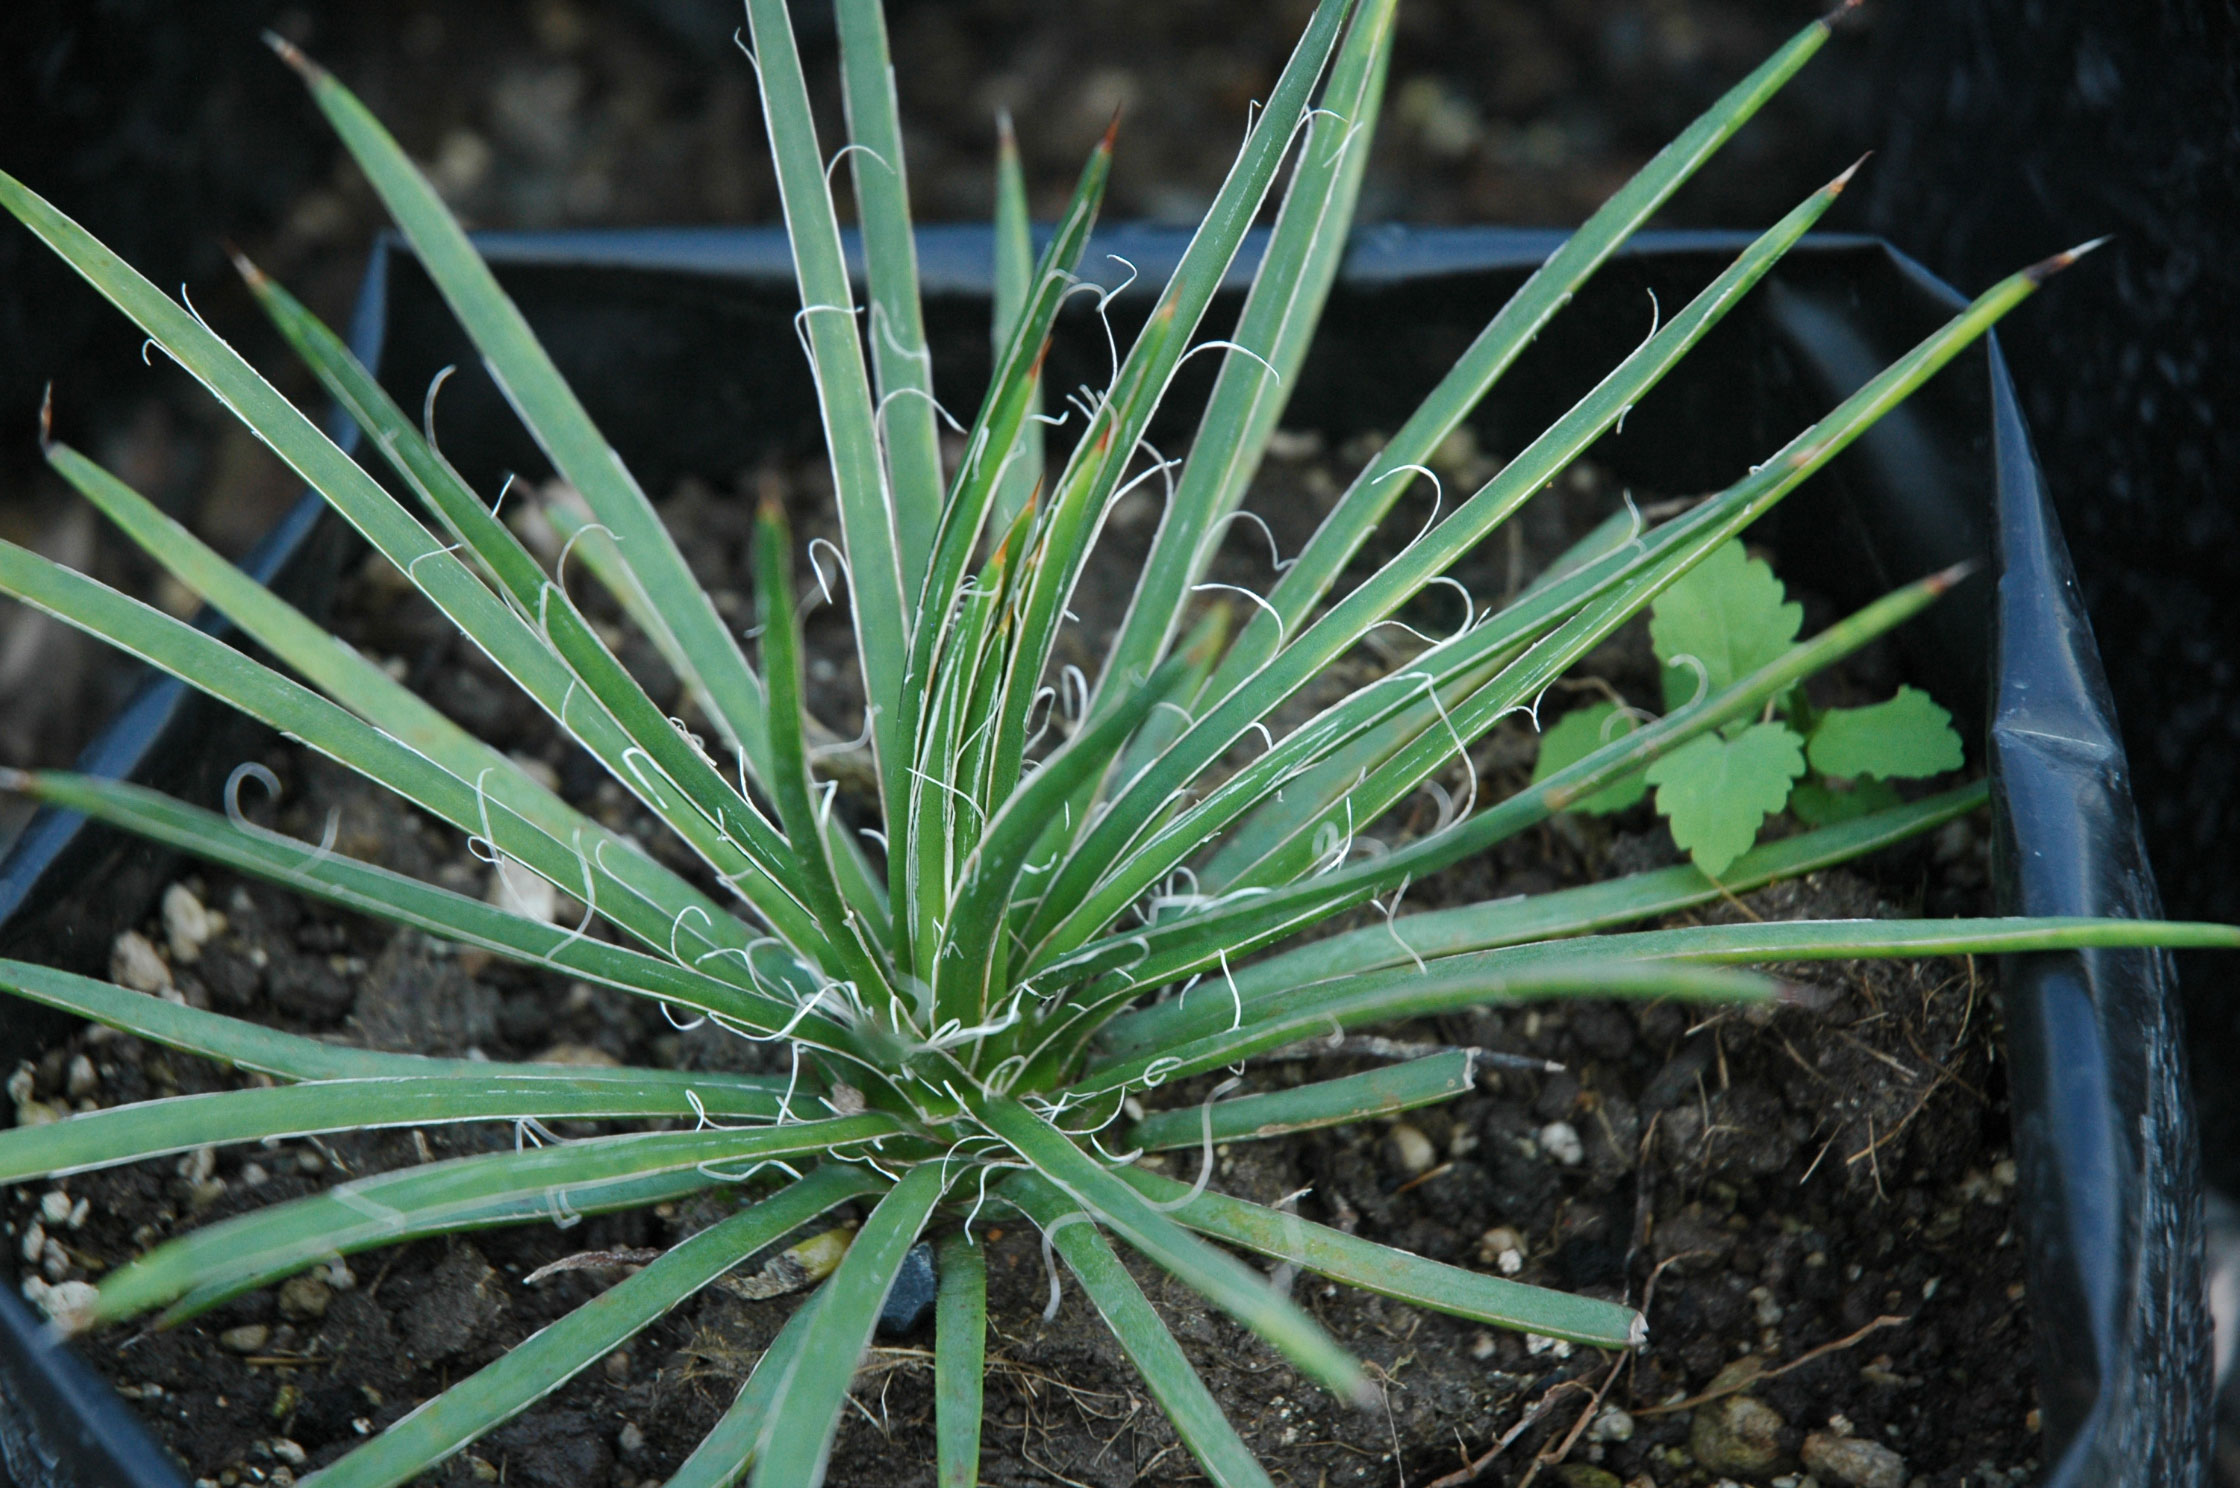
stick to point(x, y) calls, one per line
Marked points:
point(1716, 624)
point(971, 995)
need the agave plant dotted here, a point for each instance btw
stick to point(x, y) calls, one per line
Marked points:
point(1074, 878)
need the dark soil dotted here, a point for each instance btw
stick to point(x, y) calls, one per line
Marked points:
point(1812, 1206)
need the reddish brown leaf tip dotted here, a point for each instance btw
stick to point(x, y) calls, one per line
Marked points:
point(1841, 13)
point(250, 274)
point(2046, 268)
point(13, 779)
point(1835, 187)
point(1946, 579)
point(1111, 130)
point(46, 419)
point(288, 52)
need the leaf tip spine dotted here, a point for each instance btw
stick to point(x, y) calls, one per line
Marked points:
point(46, 419)
point(1835, 187)
point(1945, 580)
point(1111, 130)
point(243, 265)
point(288, 52)
point(2046, 268)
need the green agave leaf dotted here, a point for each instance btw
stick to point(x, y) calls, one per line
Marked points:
point(1114, 858)
point(1092, 475)
point(464, 1091)
point(1205, 1035)
point(960, 1349)
point(1361, 1097)
point(1197, 1417)
point(727, 1451)
point(1565, 912)
point(899, 358)
point(756, 991)
point(804, 1410)
point(1014, 266)
point(877, 592)
point(555, 1354)
point(1221, 1279)
point(543, 399)
point(1396, 1273)
point(199, 1270)
point(1528, 312)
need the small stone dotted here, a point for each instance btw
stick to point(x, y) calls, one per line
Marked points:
point(618, 1367)
point(1612, 1425)
point(631, 1440)
point(1482, 1347)
point(287, 1451)
point(304, 1298)
point(1502, 1248)
point(55, 1206)
point(338, 1276)
point(34, 1241)
point(67, 1304)
point(520, 890)
point(246, 1339)
point(1854, 1461)
point(1560, 1140)
point(482, 1471)
point(1409, 1150)
point(83, 1078)
point(1737, 1435)
point(135, 963)
point(187, 924)
point(1537, 1343)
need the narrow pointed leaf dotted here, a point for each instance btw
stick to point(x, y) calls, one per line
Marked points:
point(960, 1348)
point(1396, 1273)
point(1196, 1415)
point(804, 1411)
point(556, 1353)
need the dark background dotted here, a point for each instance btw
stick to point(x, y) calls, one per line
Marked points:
point(2003, 130)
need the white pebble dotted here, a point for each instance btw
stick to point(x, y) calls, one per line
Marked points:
point(34, 1241)
point(1560, 1140)
point(288, 1451)
point(1613, 1425)
point(1534, 1343)
point(1412, 1151)
point(187, 924)
point(134, 963)
point(83, 1078)
point(54, 1207)
point(68, 1304)
point(520, 890)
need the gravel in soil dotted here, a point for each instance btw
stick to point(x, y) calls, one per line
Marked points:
point(1811, 1204)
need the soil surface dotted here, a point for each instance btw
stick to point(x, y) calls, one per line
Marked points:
point(1812, 1205)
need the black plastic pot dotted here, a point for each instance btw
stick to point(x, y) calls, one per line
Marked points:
point(682, 346)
